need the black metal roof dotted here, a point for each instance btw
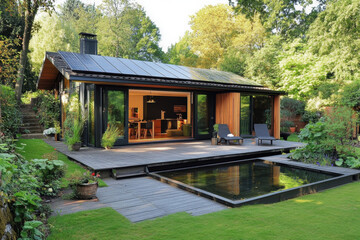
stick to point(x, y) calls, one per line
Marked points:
point(86, 67)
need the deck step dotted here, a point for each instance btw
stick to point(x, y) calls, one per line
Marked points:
point(119, 173)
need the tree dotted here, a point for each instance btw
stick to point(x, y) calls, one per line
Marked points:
point(114, 30)
point(181, 53)
point(217, 31)
point(52, 36)
point(289, 18)
point(9, 58)
point(125, 31)
point(145, 37)
point(28, 10)
point(263, 66)
point(334, 37)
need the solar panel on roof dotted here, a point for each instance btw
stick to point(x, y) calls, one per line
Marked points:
point(89, 63)
point(104, 64)
point(175, 71)
point(73, 61)
point(147, 68)
point(120, 66)
point(188, 72)
point(160, 69)
point(136, 69)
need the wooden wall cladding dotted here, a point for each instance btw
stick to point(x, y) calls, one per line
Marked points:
point(276, 117)
point(228, 111)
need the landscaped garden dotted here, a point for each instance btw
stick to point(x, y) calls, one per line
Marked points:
point(332, 214)
point(308, 50)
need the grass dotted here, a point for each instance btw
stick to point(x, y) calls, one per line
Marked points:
point(38, 149)
point(332, 214)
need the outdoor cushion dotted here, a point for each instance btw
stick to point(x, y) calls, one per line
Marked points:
point(224, 133)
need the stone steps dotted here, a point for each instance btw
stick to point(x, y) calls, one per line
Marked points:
point(33, 136)
point(31, 128)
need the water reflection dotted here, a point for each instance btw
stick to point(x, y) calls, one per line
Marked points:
point(246, 180)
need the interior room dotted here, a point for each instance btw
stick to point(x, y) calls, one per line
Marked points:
point(159, 115)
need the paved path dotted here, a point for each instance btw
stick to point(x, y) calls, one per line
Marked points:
point(141, 199)
point(146, 154)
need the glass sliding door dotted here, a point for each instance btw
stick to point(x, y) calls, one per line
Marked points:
point(115, 114)
point(245, 115)
point(91, 114)
point(204, 115)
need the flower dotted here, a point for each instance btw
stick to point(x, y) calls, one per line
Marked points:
point(93, 174)
point(49, 131)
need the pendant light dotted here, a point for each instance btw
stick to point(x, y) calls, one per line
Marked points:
point(151, 99)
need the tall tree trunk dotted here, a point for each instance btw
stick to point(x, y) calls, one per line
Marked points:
point(29, 17)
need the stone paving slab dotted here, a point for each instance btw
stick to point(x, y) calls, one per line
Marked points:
point(140, 199)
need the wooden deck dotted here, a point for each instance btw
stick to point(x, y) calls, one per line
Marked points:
point(140, 156)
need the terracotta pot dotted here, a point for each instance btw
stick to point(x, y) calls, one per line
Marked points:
point(86, 190)
point(292, 129)
point(75, 147)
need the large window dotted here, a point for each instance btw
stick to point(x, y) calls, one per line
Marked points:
point(91, 114)
point(116, 110)
point(202, 114)
point(254, 109)
point(245, 115)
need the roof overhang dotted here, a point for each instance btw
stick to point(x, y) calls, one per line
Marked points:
point(133, 81)
point(47, 76)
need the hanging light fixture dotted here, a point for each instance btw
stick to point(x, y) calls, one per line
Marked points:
point(151, 99)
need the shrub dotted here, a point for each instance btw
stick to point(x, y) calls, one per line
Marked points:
point(329, 139)
point(10, 114)
point(110, 136)
point(74, 122)
point(22, 183)
point(48, 108)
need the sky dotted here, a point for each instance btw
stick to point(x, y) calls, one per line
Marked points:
point(170, 16)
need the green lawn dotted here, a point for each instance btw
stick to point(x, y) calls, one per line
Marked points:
point(36, 148)
point(332, 214)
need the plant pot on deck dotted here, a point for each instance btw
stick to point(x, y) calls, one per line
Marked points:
point(86, 190)
point(75, 147)
point(292, 129)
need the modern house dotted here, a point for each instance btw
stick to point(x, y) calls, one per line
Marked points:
point(151, 101)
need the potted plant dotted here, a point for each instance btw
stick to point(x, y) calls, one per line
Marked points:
point(57, 130)
point(284, 129)
point(85, 184)
point(110, 136)
point(73, 139)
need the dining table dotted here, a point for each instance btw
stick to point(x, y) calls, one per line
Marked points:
point(138, 133)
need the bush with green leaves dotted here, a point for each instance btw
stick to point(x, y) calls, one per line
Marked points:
point(329, 140)
point(10, 114)
point(21, 185)
point(110, 136)
point(50, 173)
point(48, 108)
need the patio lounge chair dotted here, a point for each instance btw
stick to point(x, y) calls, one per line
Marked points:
point(223, 133)
point(262, 133)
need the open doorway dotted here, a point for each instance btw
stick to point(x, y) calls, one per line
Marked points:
point(159, 115)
